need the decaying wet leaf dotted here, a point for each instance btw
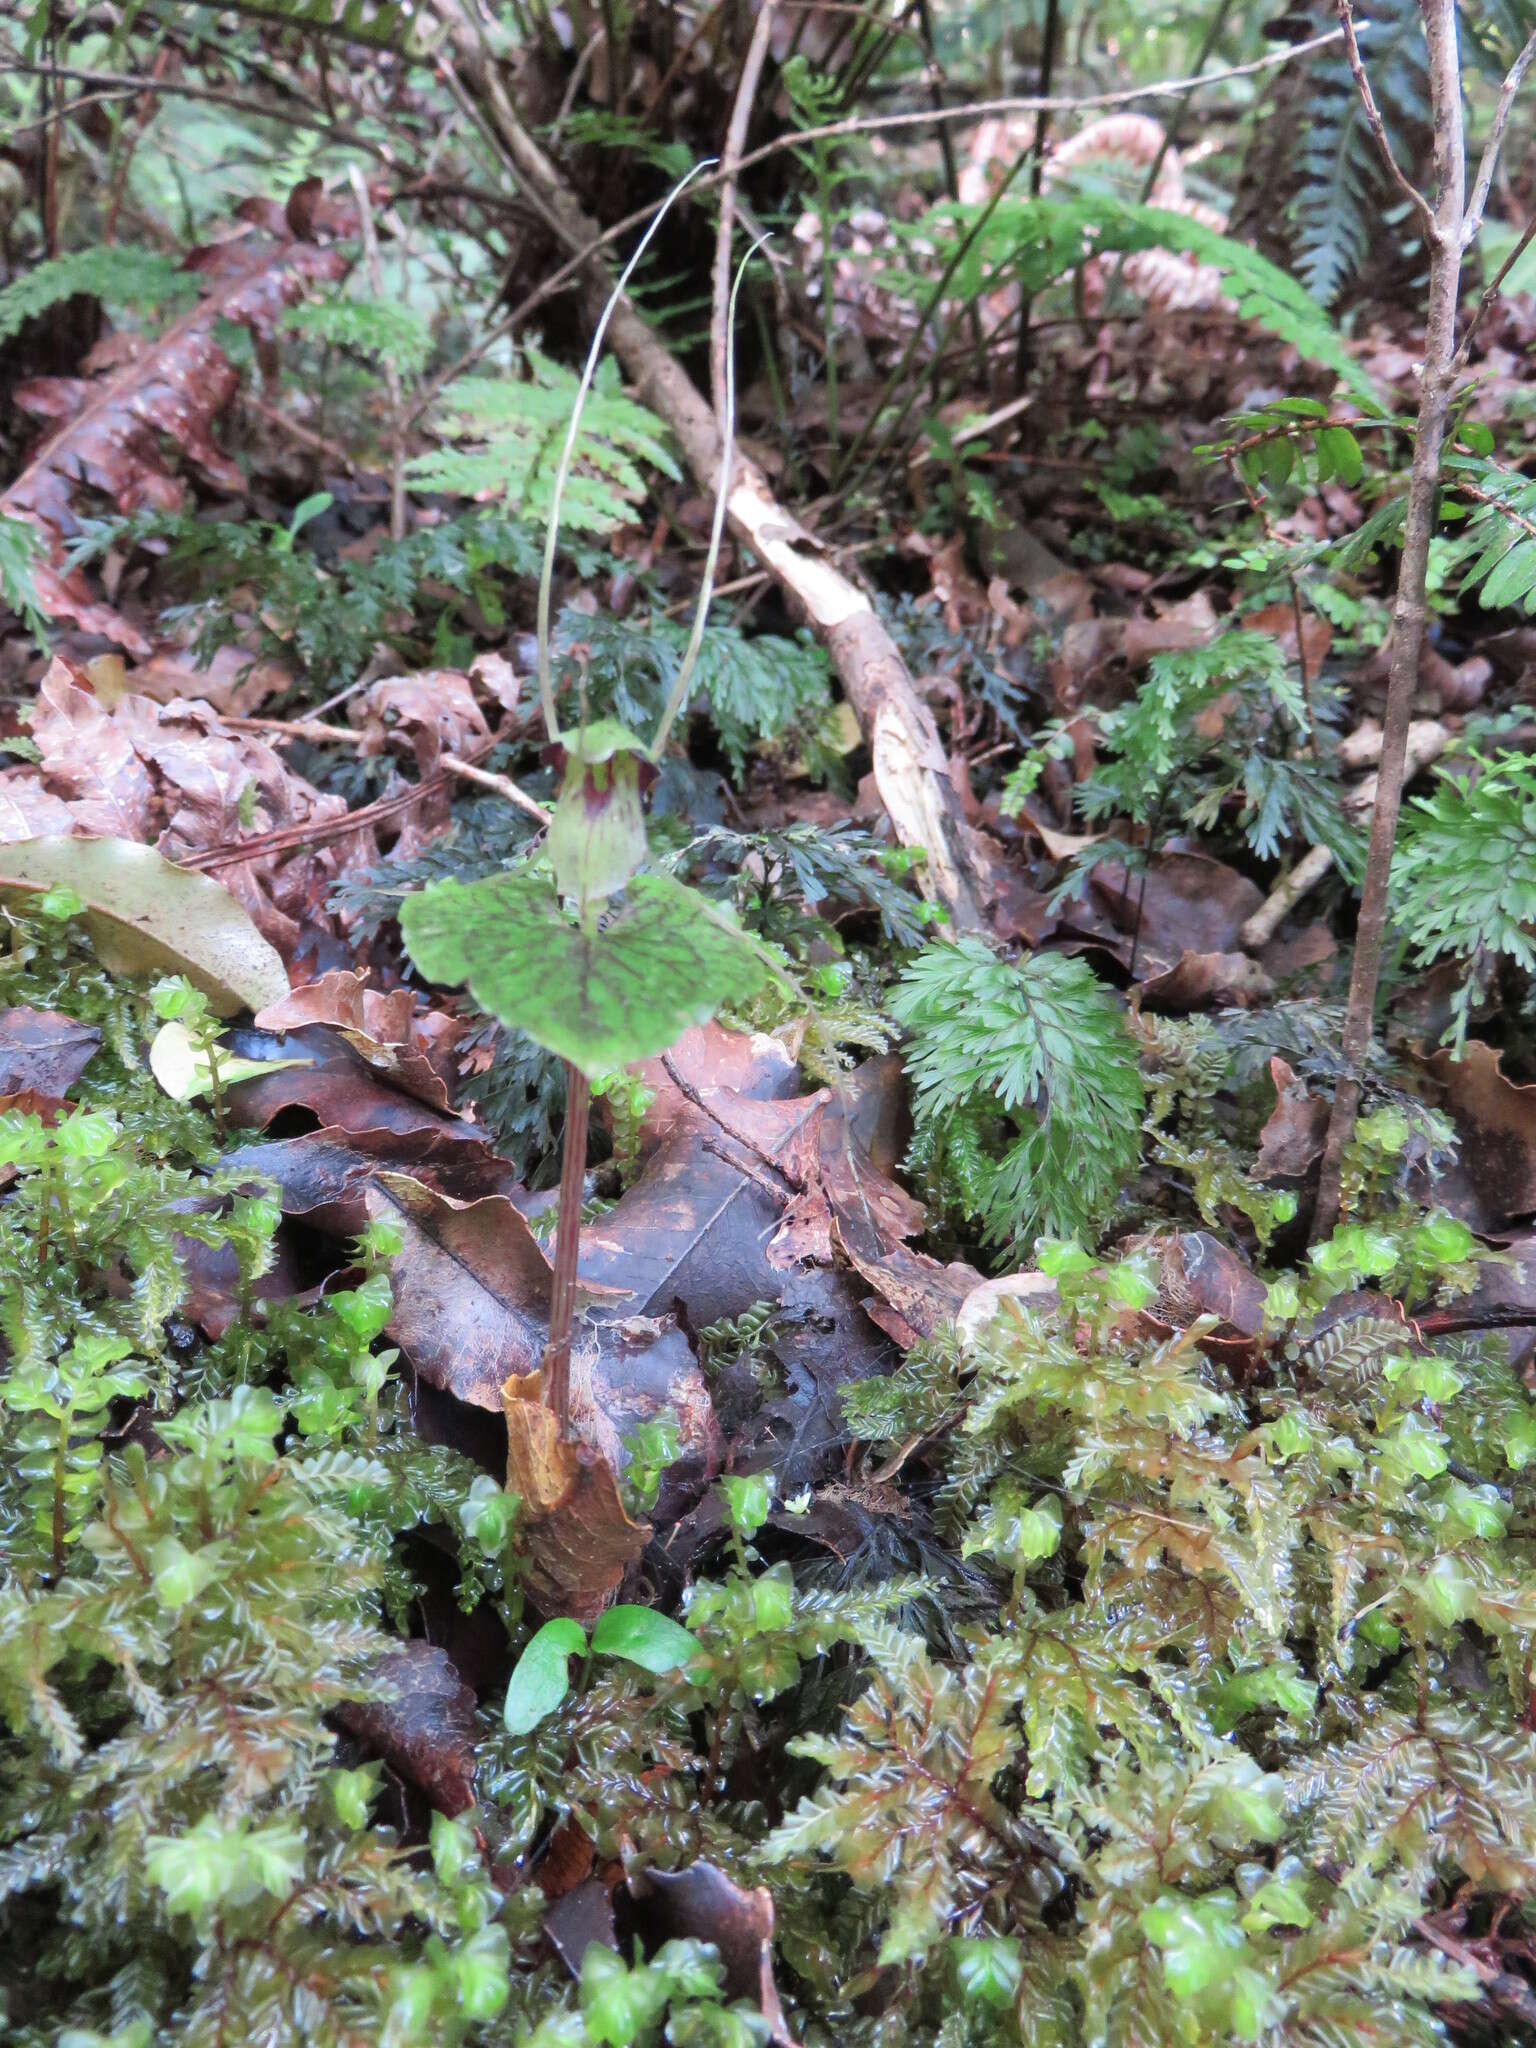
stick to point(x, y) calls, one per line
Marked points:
point(145, 916)
point(702, 1903)
point(1179, 903)
point(386, 1031)
point(337, 1086)
point(43, 1050)
point(472, 1289)
point(1292, 1140)
point(1492, 1183)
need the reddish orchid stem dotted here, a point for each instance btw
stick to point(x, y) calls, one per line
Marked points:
point(562, 1304)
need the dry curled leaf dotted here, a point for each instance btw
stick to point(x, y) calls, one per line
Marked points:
point(579, 1541)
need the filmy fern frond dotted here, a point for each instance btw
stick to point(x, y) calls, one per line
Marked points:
point(1041, 1044)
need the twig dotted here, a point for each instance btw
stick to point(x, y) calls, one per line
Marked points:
point(730, 163)
point(503, 785)
point(1488, 163)
point(1377, 126)
point(375, 270)
point(1446, 247)
point(1491, 291)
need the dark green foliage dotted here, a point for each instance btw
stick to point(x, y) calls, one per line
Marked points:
point(334, 615)
point(1212, 732)
point(786, 884)
point(757, 689)
point(1342, 187)
point(1026, 1091)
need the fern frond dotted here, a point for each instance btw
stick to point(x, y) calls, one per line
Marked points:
point(380, 329)
point(141, 279)
point(521, 425)
point(1042, 1044)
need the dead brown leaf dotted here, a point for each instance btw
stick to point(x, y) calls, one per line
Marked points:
point(1170, 628)
point(435, 708)
point(386, 1031)
point(702, 1903)
point(1179, 903)
point(426, 1730)
point(1279, 622)
point(1204, 981)
point(172, 776)
point(1291, 1142)
point(136, 390)
point(579, 1539)
point(1493, 1181)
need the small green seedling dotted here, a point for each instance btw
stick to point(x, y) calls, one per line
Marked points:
point(541, 1678)
point(184, 1055)
point(593, 959)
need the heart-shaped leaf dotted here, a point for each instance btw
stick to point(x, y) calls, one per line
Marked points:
point(642, 1636)
point(145, 916)
point(600, 999)
point(542, 1676)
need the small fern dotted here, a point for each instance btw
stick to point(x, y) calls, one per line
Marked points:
point(1038, 241)
point(520, 427)
point(377, 328)
point(758, 689)
point(1342, 187)
point(141, 279)
point(1039, 1050)
point(1464, 876)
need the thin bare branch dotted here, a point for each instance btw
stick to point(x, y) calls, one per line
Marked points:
point(1374, 122)
point(1491, 292)
point(1409, 611)
point(1489, 161)
point(730, 163)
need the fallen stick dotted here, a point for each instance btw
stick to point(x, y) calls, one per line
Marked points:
point(1427, 741)
point(910, 767)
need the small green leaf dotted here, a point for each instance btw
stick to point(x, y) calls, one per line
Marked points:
point(1340, 451)
point(541, 1678)
point(600, 999)
point(989, 1969)
point(642, 1636)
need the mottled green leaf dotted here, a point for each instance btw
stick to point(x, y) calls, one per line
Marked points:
point(598, 998)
